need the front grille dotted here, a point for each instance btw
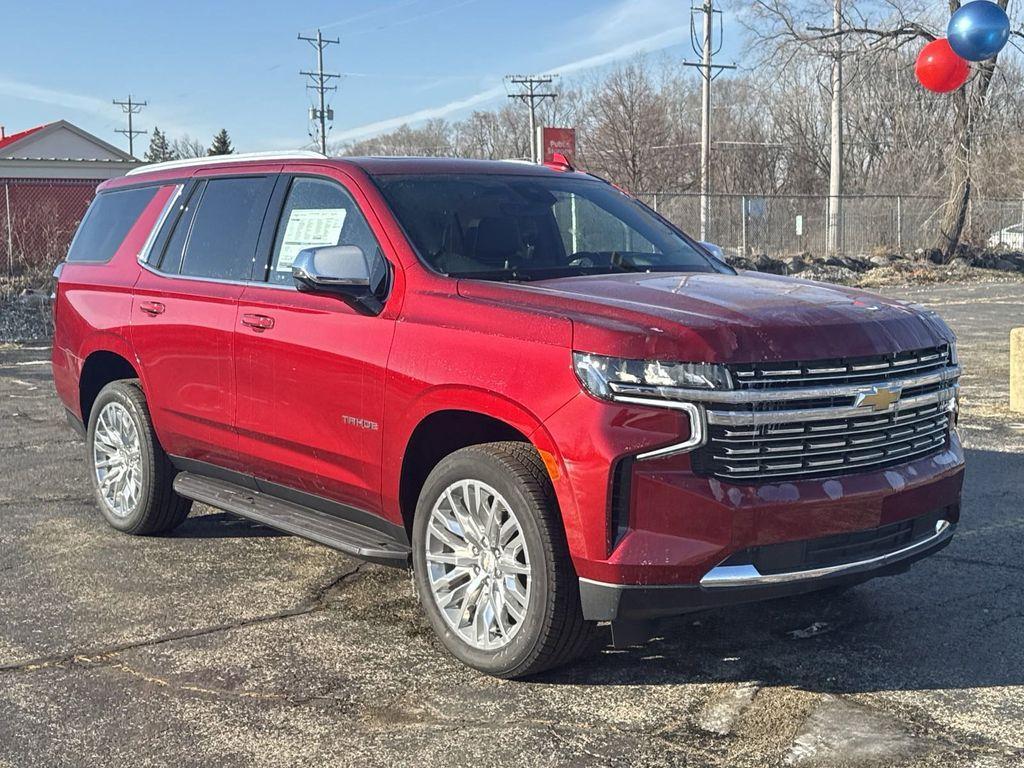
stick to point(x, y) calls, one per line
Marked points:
point(819, 448)
point(812, 426)
point(878, 368)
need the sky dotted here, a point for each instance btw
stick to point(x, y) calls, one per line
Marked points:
point(234, 64)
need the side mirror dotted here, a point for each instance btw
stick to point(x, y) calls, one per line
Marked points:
point(714, 250)
point(345, 271)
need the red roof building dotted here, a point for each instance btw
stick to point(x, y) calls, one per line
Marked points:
point(48, 176)
point(60, 150)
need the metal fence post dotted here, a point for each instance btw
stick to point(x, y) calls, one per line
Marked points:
point(655, 202)
point(899, 223)
point(10, 234)
point(743, 226)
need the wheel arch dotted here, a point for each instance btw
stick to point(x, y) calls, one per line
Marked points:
point(497, 418)
point(101, 367)
point(439, 434)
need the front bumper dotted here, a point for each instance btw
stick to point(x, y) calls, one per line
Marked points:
point(668, 525)
point(734, 584)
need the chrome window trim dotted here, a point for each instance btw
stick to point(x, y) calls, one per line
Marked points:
point(195, 278)
point(144, 252)
point(755, 418)
point(727, 576)
point(742, 396)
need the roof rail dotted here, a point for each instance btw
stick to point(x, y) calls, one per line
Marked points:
point(299, 154)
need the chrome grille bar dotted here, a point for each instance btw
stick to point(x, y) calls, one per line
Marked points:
point(754, 417)
point(884, 368)
point(744, 396)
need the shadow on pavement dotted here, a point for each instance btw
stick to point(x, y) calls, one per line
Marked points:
point(954, 621)
point(221, 525)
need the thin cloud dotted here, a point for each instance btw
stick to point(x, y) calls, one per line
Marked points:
point(656, 42)
point(426, 15)
point(103, 109)
point(371, 13)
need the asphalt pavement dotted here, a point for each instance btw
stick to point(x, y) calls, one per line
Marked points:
point(226, 644)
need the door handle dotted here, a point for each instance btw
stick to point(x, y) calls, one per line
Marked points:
point(258, 322)
point(152, 308)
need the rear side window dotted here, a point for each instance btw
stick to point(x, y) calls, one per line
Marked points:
point(107, 222)
point(221, 235)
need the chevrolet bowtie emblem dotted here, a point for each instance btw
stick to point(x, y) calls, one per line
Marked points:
point(878, 398)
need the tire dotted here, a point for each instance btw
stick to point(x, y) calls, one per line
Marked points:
point(551, 631)
point(148, 504)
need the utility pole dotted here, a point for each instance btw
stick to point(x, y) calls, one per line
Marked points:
point(531, 96)
point(835, 166)
point(833, 229)
point(130, 108)
point(705, 47)
point(318, 81)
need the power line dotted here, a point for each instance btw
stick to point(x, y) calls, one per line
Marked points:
point(130, 108)
point(531, 96)
point(705, 47)
point(318, 81)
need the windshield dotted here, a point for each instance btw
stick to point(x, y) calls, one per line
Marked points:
point(516, 227)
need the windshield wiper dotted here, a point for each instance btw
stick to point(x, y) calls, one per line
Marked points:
point(507, 275)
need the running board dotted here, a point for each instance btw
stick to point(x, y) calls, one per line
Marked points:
point(349, 537)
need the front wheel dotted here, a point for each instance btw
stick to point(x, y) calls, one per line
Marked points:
point(491, 565)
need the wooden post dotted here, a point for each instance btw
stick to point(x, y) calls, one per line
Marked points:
point(1017, 370)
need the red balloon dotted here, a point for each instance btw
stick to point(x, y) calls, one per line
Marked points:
point(939, 69)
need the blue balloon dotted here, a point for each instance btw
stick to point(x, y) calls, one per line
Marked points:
point(978, 30)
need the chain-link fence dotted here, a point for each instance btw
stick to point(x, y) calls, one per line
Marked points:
point(782, 225)
point(38, 218)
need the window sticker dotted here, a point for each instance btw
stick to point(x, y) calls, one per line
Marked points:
point(309, 228)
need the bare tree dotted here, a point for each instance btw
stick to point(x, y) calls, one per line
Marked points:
point(626, 124)
point(186, 147)
point(782, 27)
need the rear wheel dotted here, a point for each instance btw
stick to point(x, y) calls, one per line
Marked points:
point(131, 475)
point(491, 565)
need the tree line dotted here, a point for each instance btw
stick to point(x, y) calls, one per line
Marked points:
point(162, 148)
point(638, 123)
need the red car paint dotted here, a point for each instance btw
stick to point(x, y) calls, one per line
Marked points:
point(270, 401)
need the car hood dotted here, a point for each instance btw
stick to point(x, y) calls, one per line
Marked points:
point(716, 317)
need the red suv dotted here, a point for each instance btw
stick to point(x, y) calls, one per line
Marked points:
point(553, 404)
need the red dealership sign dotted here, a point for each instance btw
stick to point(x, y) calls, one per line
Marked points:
point(560, 140)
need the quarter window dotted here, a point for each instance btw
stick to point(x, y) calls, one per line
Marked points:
point(176, 243)
point(107, 222)
point(317, 213)
point(221, 239)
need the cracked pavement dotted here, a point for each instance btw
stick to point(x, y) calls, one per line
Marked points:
point(228, 644)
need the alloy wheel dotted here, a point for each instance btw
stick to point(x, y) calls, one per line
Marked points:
point(117, 459)
point(478, 565)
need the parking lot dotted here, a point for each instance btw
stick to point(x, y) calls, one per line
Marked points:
point(227, 644)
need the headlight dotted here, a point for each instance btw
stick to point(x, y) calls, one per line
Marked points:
point(954, 359)
point(607, 376)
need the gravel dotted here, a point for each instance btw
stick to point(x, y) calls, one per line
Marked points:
point(24, 315)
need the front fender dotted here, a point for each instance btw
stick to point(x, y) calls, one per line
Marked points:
point(403, 424)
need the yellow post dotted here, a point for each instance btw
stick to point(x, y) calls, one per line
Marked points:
point(1017, 370)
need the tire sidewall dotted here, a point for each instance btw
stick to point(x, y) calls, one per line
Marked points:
point(119, 392)
point(477, 465)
